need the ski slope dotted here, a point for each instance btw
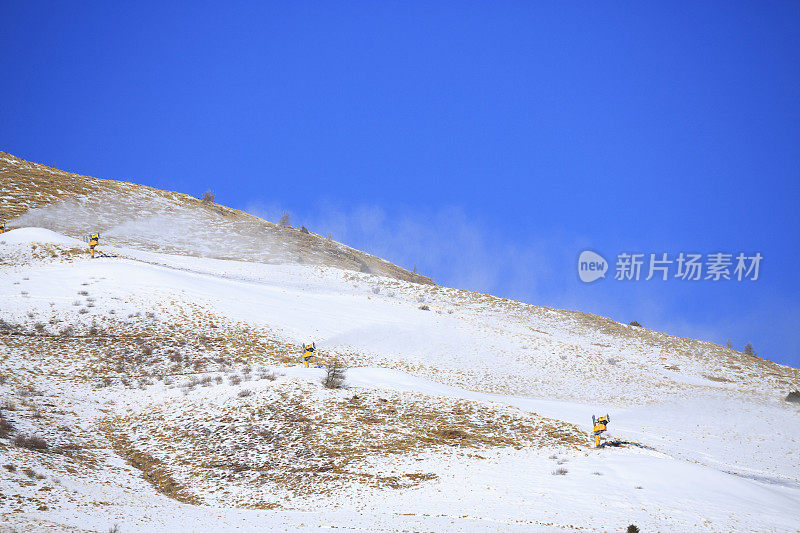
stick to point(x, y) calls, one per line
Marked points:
point(718, 445)
point(136, 216)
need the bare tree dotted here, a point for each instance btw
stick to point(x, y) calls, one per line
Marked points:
point(748, 349)
point(285, 219)
point(729, 344)
point(208, 197)
point(334, 375)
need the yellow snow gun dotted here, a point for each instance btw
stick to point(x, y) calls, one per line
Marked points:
point(94, 240)
point(308, 353)
point(599, 425)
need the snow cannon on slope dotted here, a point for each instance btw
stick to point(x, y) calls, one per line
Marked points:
point(94, 240)
point(308, 353)
point(599, 425)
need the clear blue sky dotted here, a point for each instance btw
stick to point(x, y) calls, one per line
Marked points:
point(487, 143)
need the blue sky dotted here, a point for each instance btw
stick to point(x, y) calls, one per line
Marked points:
point(487, 143)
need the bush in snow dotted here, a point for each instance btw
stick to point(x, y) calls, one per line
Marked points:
point(793, 397)
point(5, 426)
point(31, 442)
point(9, 328)
point(560, 472)
point(208, 197)
point(334, 375)
point(31, 473)
point(633, 529)
point(635, 324)
point(269, 376)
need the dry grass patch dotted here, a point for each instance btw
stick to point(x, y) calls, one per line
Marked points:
point(135, 347)
point(301, 439)
point(718, 379)
point(153, 470)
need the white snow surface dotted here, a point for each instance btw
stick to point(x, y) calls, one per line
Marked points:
point(717, 454)
point(37, 235)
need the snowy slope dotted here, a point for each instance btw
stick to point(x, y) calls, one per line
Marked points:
point(151, 219)
point(169, 392)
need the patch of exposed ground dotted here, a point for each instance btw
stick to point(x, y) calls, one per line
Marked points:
point(251, 443)
point(113, 349)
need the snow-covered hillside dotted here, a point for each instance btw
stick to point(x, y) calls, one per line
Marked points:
point(169, 395)
point(151, 219)
point(159, 387)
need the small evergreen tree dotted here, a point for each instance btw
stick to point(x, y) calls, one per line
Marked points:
point(748, 349)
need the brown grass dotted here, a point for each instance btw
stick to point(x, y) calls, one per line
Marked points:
point(294, 439)
point(718, 379)
point(132, 348)
point(153, 470)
